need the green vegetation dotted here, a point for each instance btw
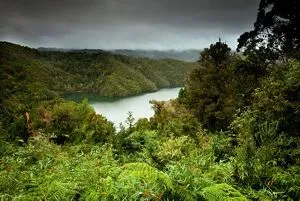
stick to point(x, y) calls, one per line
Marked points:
point(276, 31)
point(210, 88)
point(232, 133)
point(100, 73)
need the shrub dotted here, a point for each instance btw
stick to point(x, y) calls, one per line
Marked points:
point(222, 192)
point(69, 122)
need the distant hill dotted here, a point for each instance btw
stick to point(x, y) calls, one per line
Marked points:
point(38, 74)
point(184, 55)
point(190, 55)
point(53, 49)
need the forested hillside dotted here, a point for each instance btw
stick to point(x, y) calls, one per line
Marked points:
point(101, 73)
point(233, 133)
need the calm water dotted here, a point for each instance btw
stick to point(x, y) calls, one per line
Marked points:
point(116, 110)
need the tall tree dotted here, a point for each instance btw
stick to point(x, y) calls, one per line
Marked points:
point(276, 31)
point(210, 88)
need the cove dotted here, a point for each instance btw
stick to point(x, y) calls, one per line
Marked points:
point(117, 110)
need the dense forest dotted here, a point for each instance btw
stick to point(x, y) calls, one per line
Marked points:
point(232, 133)
point(100, 73)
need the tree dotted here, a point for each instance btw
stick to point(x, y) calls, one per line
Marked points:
point(276, 31)
point(217, 54)
point(130, 121)
point(210, 90)
point(248, 75)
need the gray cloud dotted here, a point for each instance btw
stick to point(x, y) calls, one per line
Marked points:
point(108, 24)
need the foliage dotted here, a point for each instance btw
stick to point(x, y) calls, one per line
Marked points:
point(173, 119)
point(210, 89)
point(69, 122)
point(173, 149)
point(43, 170)
point(248, 74)
point(276, 31)
point(144, 181)
point(268, 135)
point(100, 73)
point(222, 192)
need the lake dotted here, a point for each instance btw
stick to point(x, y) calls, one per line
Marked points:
point(117, 110)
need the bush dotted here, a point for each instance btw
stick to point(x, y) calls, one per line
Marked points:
point(222, 192)
point(173, 149)
point(69, 122)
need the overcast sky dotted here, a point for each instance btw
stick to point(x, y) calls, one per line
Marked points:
point(131, 24)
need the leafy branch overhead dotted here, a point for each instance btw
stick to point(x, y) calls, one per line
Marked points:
point(276, 30)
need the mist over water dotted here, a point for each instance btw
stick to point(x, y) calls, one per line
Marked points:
point(117, 110)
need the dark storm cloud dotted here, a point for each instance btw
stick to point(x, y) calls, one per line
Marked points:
point(155, 24)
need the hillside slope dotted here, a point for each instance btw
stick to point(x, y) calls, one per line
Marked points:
point(101, 73)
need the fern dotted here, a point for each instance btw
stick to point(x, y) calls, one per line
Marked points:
point(142, 180)
point(221, 192)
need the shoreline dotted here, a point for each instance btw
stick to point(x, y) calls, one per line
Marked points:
point(92, 97)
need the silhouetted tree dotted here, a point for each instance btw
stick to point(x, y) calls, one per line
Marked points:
point(276, 31)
